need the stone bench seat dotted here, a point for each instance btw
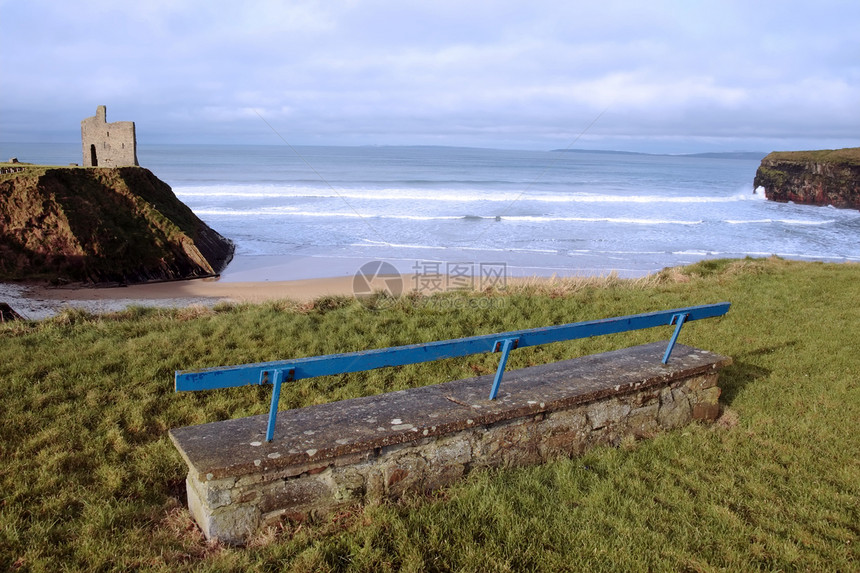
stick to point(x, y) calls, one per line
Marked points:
point(419, 439)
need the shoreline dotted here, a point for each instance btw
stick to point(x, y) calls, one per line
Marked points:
point(268, 278)
point(353, 278)
point(36, 301)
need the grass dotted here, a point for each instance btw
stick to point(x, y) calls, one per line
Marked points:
point(90, 481)
point(846, 156)
point(96, 225)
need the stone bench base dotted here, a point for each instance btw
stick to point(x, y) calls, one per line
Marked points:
point(420, 439)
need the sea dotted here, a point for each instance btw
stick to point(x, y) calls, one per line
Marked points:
point(312, 212)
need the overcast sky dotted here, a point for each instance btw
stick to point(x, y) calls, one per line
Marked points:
point(671, 76)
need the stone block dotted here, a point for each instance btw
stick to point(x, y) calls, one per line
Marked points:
point(443, 475)
point(564, 434)
point(455, 449)
point(374, 482)
point(297, 494)
point(675, 409)
point(702, 382)
point(508, 444)
point(642, 422)
point(405, 474)
point(642, 398)
point(212, 493)
point(232, 523)
point(349, 484)
point(606, 412)
point(706, 406)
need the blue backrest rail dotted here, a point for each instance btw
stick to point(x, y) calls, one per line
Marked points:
point(280, 371)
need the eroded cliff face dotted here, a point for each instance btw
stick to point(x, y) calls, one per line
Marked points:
point(812, 177)
point(101, 225)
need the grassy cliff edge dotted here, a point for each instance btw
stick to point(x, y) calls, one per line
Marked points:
point(101, 225)
point(823, 177)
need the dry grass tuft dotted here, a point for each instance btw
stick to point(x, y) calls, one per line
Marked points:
point(560, 287)
point(180, 525)
point(193, 312)
point(266, 536)
point(628, 443)
point(728, 419)
point(673, 275)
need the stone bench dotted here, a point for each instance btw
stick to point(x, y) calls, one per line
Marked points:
point(419, 439)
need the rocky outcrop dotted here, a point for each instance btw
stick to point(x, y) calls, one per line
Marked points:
point(7, 314)
point(828, 177)
point(101, 225)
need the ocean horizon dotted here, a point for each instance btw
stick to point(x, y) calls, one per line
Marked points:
point(318, 211)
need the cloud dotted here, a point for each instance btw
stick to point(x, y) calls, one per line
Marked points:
point(449, 72)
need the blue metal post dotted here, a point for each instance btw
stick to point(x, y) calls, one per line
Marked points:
point(273, 410)
point(507, 345)
point(680, 318)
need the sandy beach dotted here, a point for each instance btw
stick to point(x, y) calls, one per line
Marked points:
point(38, 302)
point(300, 290)
point(250, 280)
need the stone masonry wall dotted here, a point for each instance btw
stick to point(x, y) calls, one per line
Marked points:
point(231, 504)
point(108, 144)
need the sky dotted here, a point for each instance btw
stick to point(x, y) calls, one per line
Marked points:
point(657, 76)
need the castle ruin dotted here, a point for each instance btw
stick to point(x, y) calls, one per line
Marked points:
point(108, 144)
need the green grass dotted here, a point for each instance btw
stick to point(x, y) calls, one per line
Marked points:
point(90, 481)
point(846, 156)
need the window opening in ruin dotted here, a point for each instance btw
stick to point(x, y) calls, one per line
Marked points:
point(93, 159)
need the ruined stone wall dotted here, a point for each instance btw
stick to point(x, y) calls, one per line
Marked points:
point(108, 144)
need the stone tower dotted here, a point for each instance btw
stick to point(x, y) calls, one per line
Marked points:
point(108, 144)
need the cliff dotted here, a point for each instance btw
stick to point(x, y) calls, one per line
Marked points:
point(828, 177)
point(101, 225)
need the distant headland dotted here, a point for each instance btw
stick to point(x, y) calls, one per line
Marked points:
point(753, 155)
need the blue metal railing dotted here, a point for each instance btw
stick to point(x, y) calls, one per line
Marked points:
point(278, 372)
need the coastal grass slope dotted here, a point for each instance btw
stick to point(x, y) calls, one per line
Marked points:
point(90, 481)
point(97, 225)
